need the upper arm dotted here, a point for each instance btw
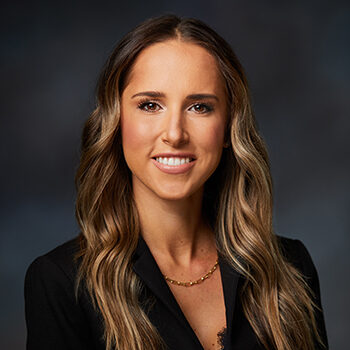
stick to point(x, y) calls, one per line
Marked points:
point(54, 318)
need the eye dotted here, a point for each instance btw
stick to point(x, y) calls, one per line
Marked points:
point(201, 108)
point(149, 106)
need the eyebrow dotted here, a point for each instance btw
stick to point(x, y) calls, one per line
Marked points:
point(193, 97)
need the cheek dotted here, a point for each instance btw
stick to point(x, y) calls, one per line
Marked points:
point(134, 134)
point(214, 137)
point(130, 135)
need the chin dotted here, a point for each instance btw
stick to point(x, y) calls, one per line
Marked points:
point(174, 194)
point(171, 196)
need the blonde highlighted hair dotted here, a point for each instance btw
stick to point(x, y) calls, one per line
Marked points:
point(276, 300)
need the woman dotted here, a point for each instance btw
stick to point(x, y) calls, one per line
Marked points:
point(175, 207)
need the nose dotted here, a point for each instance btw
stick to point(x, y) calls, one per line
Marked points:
point(175, 132)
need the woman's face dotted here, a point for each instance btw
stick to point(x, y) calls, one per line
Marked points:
point(173, 116)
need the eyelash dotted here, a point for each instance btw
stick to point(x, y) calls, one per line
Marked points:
point(143, 104)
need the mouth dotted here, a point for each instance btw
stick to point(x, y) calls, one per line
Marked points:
point(173, 161)
point(174, 165)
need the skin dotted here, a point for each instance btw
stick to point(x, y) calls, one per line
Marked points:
point(173, 123)
point(169, 205)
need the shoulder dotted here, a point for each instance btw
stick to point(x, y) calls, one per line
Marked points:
point(49, 286)
point(59, 265)
point(56, 317)
point(297, 254)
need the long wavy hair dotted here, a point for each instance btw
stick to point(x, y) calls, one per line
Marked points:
point(275, 298)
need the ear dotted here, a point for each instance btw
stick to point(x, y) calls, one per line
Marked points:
point(227, 140)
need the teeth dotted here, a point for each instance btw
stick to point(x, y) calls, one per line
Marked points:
point(173, 160)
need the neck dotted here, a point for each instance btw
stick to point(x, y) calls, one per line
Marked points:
point(174, 230)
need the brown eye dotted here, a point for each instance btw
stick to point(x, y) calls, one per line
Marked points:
point(149, 106)
point(201, 108)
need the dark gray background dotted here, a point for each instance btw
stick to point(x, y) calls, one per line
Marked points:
point(296, 54)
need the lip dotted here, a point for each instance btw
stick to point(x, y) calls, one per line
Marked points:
point(174, 169)
point(175, 155)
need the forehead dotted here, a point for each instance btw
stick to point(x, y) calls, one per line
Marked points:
point(176, 64)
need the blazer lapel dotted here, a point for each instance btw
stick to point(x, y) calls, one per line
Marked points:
point(229, 278)
point(239, 334)
point(147, 269)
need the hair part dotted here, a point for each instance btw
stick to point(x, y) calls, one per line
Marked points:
point(275, 298)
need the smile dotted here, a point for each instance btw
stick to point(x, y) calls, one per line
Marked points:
point(174, 165)
point(173, 161)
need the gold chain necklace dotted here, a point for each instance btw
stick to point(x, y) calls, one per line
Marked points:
point(192, 283)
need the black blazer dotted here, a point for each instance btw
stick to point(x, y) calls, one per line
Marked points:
point(55, 320)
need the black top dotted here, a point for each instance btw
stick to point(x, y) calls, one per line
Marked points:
point(57, 321)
